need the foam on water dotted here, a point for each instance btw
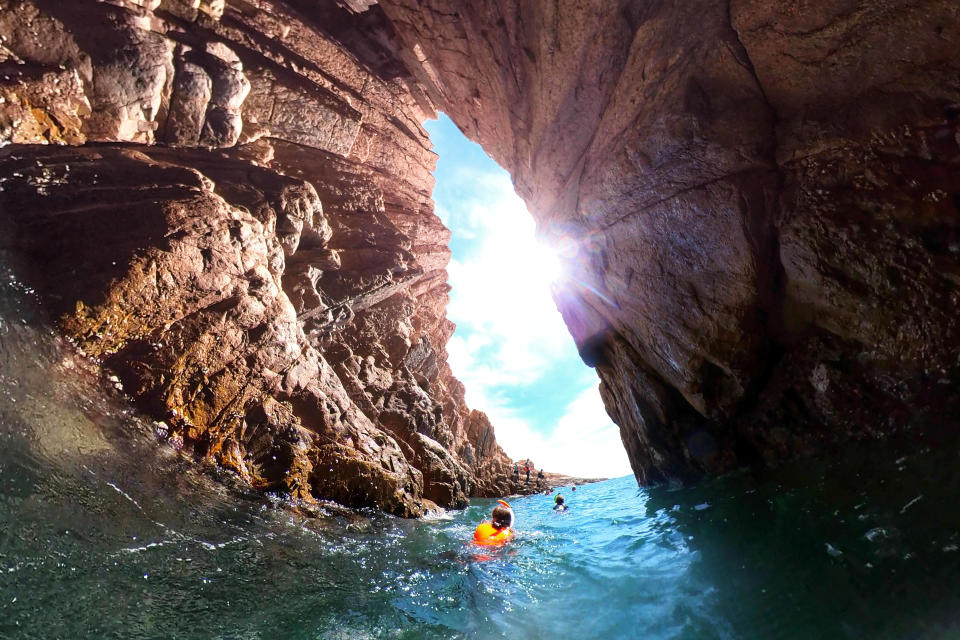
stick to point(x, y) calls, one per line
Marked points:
point(106, 534)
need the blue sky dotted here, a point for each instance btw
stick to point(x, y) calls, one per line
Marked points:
point(511, 349)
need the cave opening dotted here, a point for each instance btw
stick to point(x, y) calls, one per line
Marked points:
point(511, 348)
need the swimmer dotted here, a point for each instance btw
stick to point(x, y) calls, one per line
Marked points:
point(559, 503)
point(500, 530)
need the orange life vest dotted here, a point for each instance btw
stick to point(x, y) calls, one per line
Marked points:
point(487, 534)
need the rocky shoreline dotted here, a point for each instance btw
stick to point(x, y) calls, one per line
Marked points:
point(547, 484)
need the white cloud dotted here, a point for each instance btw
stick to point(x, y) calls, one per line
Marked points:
point(585, 443)
point(502, 289)
point(510, 334)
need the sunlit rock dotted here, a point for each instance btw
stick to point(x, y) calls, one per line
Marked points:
point(287, 322)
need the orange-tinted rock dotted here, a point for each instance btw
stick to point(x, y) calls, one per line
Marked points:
point(287, 322)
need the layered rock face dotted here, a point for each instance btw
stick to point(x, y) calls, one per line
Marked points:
point(246, 239)
point(757, 203)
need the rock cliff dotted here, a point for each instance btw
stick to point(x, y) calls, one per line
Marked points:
point(757, 203)
point(246, 239)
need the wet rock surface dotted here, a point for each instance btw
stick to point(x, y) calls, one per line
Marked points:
point(757, 204)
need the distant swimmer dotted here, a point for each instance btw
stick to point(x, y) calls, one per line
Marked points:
point(559, 504)
point(500, 530)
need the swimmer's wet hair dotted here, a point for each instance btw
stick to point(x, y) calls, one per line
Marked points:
point(502, 517)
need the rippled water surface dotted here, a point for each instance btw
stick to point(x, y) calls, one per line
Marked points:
point(104, 534)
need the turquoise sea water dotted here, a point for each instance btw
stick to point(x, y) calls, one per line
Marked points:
point(103, 534)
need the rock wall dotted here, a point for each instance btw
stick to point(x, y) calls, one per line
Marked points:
point(757, 203)
point(246, 239)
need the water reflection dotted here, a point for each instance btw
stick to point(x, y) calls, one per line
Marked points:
point(861, 546)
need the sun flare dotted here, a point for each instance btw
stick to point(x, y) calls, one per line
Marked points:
point(543, 264)
point(511, 349)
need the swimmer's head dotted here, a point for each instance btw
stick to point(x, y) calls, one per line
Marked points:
point(502, 515)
